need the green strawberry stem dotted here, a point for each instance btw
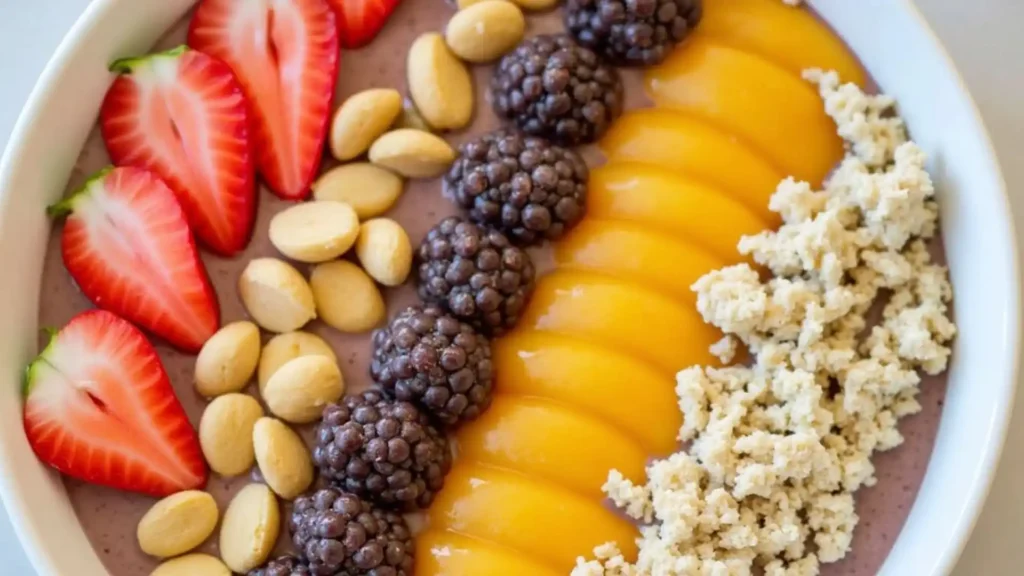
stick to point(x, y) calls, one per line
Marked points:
point(66, 205)
point(128, 65)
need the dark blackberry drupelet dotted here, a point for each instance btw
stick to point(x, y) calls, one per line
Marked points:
point(554, 88)
point(429, 357)
point(287, 565)
point(340, 533)
point(524, 186)
point(382, 449)
point(632, 32)
point(475, 273)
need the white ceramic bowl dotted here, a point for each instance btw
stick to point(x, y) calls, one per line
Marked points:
point(894, 43)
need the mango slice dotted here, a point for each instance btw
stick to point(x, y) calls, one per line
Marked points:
point(623, 316)
point(694, 148)
point(746, 95)
point(449, 554)
point(552, 442)
point(538, 519)
point(792, 38)
point(623, 391)
point(630, 252)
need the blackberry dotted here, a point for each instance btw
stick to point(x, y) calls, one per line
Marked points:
point(427, 356)
point(552, 87)
point(286, 565)
point(340, 533)
point(382, 449)
point(524, 186)
point(632, 32)
point(475, 273)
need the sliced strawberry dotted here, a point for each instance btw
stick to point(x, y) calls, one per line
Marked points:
point(183, 115)
point(359, 21)
point(127, 245)
point(285, 55)
point(99, 407)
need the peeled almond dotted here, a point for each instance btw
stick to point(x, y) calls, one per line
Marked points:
point(228, 359)
point(384, 250)
point(440, 84)
point(250, 528)
point(485, 31)
point(370, 190)
point(412, 153)
point(314, 231)
point(361, 118)
point(299, 390)
point(225, 433)
point(284, 347)
point(177, 524)
point(276, 295)
point(283, 458)
point(192, 565)
point(346, 297)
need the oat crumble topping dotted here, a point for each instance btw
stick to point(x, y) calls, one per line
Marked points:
point(775, 456)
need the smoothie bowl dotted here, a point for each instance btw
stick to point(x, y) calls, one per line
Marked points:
point(595, 287)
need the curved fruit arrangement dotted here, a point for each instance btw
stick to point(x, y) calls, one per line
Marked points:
point(584, 383)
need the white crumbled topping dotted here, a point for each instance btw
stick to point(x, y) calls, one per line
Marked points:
point(792, 2)
point(778, 449)
point(724, 349)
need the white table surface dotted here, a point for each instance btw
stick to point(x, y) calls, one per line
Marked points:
point(986, 39)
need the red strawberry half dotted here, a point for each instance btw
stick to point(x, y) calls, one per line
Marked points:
point(99, 407)
point(183, 115)
point(127, 245)
point(285, 55)
point(359, 21)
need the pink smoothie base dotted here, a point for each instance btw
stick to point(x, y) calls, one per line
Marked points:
point(110, 517)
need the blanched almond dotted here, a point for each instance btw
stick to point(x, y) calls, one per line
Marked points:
point(361, 118)
point(284, 347)
point(192, 565)
point(384, 250)
point(177, 524)
point(412, 153)
point(276, 295)
point(250, 528)
point(439, 83)
point(283, 458)
point(346, 298)
point(225, 433)
point(228, 359)
point(485, 31)
point(370, 190)
point(299, 390)
point(314, 231)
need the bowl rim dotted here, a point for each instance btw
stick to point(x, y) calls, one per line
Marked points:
point(98, 11)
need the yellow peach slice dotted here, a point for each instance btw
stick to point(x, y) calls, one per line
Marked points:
point(747, 95)
point(629, 251)
point(535, 518)
point(619, 389)
point(793, 39)
point(692, 147)
point(449, 554)
point(623, 316)
point(539, 438)
point(653, 197)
